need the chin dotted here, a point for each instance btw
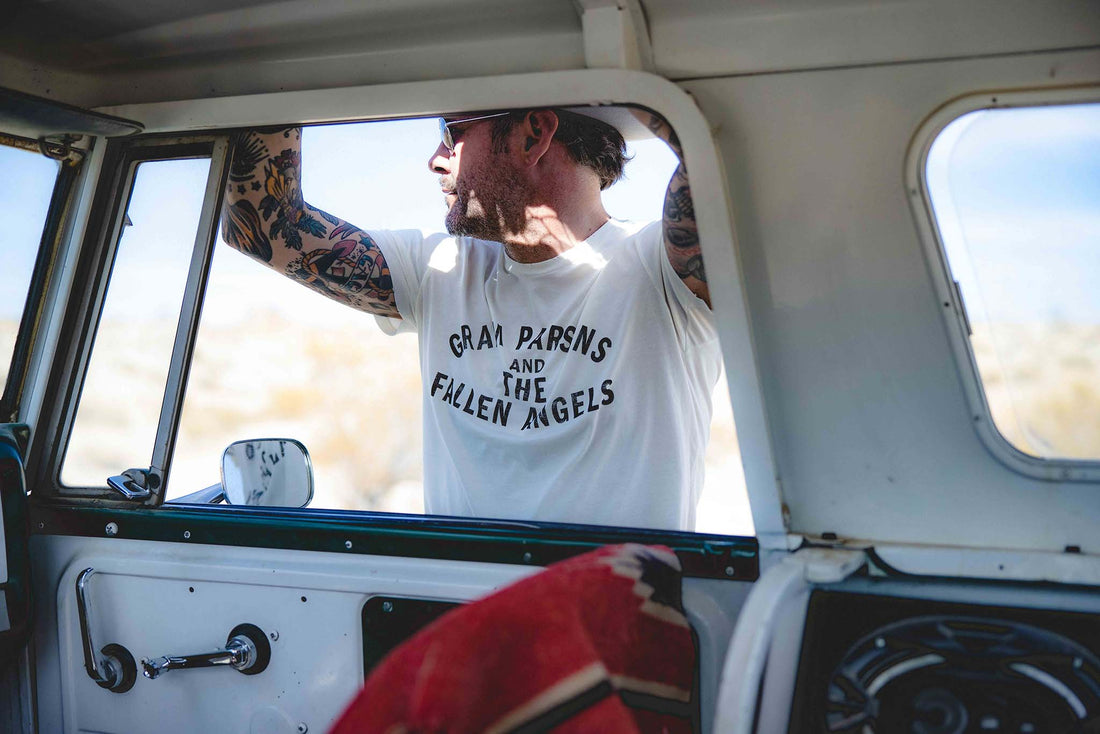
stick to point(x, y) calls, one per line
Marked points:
point(465, 226)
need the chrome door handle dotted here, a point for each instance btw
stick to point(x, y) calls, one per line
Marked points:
point(115, 670)
point(246, 650)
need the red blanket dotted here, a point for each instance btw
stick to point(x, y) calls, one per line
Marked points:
point(596, 643)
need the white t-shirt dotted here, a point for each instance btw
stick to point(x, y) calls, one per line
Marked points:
point(576, 389)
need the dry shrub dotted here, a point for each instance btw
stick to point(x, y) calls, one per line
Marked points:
point(1042, 383)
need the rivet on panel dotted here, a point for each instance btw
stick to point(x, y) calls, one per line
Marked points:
point(347, 544)
point(186, 534)
point(527, 557)
point(274, 635)
point(112, 528)
point(387, 606)
point(302, 728)
point(729, 570)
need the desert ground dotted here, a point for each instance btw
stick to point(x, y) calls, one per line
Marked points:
point(352, 395)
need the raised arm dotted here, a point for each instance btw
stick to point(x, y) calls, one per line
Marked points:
point(681, 234)
point(266, 218)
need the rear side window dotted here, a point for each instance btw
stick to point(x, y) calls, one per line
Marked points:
point(26, 187)
point(1016, 198)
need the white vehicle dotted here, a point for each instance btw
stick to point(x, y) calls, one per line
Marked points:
point(899, 209)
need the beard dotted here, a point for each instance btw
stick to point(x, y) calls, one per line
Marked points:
point(490, 202)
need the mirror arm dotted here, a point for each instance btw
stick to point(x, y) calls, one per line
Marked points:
point(211, 495)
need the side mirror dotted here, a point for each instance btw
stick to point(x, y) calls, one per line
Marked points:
point(267, 472)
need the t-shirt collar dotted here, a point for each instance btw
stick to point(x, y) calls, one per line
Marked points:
point(583, 253)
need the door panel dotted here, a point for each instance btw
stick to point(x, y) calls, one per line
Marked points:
point(141, 597)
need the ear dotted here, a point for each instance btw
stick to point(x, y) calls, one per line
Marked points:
point(537, 132)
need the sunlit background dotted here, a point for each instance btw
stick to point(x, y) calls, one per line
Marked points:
point(1016, 195)
point(275, 359)
point(1017, 198)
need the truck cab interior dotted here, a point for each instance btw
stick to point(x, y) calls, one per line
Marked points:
point(898, 205)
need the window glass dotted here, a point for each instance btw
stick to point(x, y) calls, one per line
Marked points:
point(116, 419)
point(276, 359)
point(26, 187)
point(1016, 196)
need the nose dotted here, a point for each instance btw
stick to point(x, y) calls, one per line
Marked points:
point(440, 160)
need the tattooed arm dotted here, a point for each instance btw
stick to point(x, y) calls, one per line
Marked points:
point(266, 218)
point(681, 235)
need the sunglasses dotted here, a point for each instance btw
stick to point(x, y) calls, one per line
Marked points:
point(445, 127)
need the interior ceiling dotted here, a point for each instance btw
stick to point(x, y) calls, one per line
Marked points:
point(70, 20)
point(109, 52)
point(106, 35)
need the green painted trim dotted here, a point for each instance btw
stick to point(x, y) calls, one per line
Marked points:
point(415, 536)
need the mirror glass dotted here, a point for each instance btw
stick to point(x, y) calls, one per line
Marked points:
point(267, 472)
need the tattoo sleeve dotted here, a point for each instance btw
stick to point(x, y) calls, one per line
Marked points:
point(682, 235)
point(680, 232)
point(266, 217)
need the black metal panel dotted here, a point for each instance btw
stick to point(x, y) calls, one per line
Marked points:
point(415, 536)
point(390, 620)
point(837, 622)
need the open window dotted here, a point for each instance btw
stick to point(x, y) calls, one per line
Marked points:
point(237, 367)
point(1015, 195)
point(271, 358)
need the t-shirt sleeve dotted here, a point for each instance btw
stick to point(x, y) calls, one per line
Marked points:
point(692, 317)
point(407, 253)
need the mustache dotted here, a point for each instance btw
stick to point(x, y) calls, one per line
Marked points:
point(447, 183)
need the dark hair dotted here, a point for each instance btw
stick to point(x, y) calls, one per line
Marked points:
point(589, 141)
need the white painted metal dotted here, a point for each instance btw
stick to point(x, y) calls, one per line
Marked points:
point(957, 329)
point(233, 48)
point(141, 599)
point(782, 589)
point(719, 38)
point(556, 88)
point(45, 347)
point(615, 35)
point(996, 564)
point(873, 436)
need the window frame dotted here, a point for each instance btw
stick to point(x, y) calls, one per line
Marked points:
point(209, 119)
point(57, 217)
point(949, 300)
point(92, 277)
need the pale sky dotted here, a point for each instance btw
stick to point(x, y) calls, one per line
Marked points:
point(1016, 192)
point(1017, 196)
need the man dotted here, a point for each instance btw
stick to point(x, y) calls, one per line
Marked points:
point(567, 359)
